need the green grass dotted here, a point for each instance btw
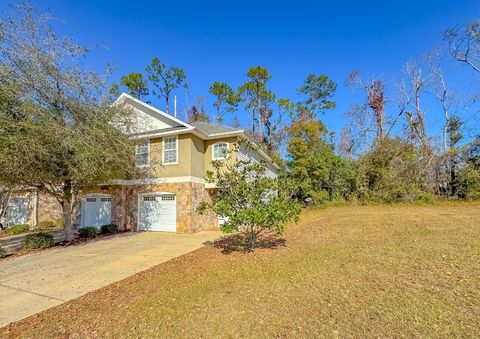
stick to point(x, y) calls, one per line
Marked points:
point(17, 229)
point(365, 271)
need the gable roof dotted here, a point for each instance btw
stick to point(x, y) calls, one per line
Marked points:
point(153, 111)
point(202, 129)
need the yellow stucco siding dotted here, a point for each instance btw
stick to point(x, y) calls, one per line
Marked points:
point(209, 151)
point(194, 157)
point(197, 156)
point(183, 166)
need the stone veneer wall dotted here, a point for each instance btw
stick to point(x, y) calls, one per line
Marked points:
point(188, 196)
point(48, 208)
point(207, 221)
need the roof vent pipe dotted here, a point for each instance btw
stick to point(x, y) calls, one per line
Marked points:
point(175, 106)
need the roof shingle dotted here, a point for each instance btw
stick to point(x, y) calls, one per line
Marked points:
point(211, 129)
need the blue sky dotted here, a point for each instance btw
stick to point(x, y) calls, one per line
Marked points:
point(219, 41)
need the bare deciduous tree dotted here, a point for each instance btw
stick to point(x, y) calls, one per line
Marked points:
point(347, 143)
point(440, 91)
point(464, 44)
point(412, 89)
point(375, 101)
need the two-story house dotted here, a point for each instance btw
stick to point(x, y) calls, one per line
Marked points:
point(179, 154)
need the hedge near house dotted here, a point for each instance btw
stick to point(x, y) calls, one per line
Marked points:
point(38, 241)
point(17, 229)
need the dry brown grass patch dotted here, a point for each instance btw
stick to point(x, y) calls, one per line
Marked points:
point(376, 271)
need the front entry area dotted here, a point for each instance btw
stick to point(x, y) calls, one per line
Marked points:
point(96, 210)
point(157, 212)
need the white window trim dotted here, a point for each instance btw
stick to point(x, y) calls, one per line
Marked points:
point(163, 150)
point(213, 150)
point(148, 154)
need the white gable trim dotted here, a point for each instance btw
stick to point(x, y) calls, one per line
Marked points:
point(164, 180)
point(125, 97)
point(161, 134)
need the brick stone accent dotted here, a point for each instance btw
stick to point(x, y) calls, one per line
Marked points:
point(188, 196)
point(48, 208)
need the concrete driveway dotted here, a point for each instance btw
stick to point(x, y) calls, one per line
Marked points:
point(32, 283)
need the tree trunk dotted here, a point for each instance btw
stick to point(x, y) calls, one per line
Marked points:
point(67, 201)
point(260, 127)
point(379, 117)
point(251, 239)
point(4, 197)
point(453, 176)
point(445, 130)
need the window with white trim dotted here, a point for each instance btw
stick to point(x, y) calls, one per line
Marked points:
point(170, 150)
point(141, 153)
point(220, 151)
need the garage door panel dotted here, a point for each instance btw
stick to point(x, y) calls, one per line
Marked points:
point(158, 212)
point(97, 211)
point(17, 211)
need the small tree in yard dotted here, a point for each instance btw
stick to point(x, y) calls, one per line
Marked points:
point(250, 201)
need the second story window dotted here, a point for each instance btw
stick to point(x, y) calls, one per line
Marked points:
point(170, 150)
point(220, 151)
point(141, 153)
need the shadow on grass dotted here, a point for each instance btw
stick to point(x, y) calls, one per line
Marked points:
point(237, 243)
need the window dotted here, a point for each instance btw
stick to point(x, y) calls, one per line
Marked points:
point(142, 153)
point(170, 150)
point(220, 151)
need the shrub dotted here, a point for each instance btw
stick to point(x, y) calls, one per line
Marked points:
point(17, 229)
point(58, 222)
point(88, 232)
point(109, 229)
point(3, 252)
point(45, 224)
point(427, 198)
point(38, 240)
point(469, 183)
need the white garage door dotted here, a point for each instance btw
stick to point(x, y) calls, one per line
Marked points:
point(158, 212)
point(97, 211)
point(17, 211)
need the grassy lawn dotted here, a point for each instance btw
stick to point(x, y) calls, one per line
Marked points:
point(376, 271)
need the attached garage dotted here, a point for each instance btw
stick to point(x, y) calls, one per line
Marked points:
point(17, 211)
point(96, 210)
point(157, 212)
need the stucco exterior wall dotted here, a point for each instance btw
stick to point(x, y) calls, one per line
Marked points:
point(183, 167)
point(197, 162)
point(209, 151)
